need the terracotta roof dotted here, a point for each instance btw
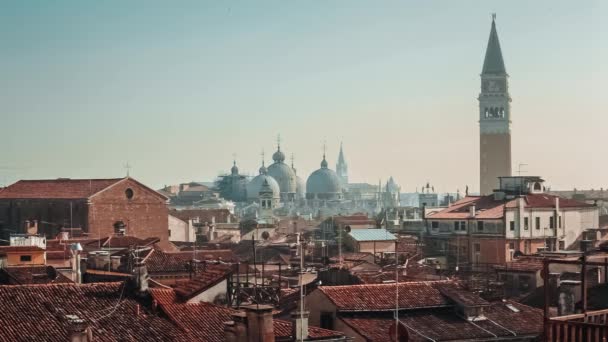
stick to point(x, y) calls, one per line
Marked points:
point(172, 262)
point(523, 264)
point(21, 275)
point(445, 325)
point(353, 256)
point(487, 207)
point(62, 188)
point(37, 312)
point(210, 276)
point(381, 297)
point(17, 249)
point(205, 321)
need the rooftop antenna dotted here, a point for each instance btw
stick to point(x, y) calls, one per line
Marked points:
point(519, 169)
point(127, 166)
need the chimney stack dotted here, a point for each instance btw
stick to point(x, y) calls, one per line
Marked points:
point(260, 327)
point(78, 329)
point(140, 277)
point(300, 325)
point(472, 210)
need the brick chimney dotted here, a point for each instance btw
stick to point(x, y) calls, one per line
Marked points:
point(260, 326)
point(236, 330)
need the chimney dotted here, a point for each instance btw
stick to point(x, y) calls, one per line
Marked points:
point(236, 330)
point(212, 219)
point(140, 277)
point(228, 219)
point(260, 326)
point(78, 329)
point(556, 203)
point(299, 328)
point(472, 210)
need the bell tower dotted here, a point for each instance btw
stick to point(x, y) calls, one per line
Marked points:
point(494, 117)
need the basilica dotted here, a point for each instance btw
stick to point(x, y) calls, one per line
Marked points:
point(279, 190)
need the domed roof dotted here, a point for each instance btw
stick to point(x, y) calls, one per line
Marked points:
point(284, 175)
point(255, 185)
point(323, 181)
point(278, 156)
point(392, 185)
point(263, 170)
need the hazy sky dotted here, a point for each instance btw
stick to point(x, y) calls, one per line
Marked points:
point(176, 87)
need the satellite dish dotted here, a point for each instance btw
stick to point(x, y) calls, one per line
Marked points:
point(347, 229)
point(51, 272)
point(265, 235)
point(399, 331)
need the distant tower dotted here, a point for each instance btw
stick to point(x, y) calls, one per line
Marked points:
point(494, 117)
point(342, 168)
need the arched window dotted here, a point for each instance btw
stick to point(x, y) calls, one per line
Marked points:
point(537, 186)
point(502, 112)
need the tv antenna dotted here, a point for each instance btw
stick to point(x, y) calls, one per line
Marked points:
point(519, 169)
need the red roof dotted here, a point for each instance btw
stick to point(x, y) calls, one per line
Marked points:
point(210, 276)
point(523, 264)
point(18, 249)
point(38, 312)
point(57, 188)
point(445, 325)
point(487, 207)
point(204, 215)
point(381, 297)
point(205, 321)
point(21, 275)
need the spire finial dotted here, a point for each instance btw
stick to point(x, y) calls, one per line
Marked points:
point(262, 154)
point(324, 148)
point(127, 166)
point(279, 142)
point(494, 16)
point(292, 160)
point(234, 159)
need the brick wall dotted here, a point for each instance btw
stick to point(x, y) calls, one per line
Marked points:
point(145, 214)
point(51, 214)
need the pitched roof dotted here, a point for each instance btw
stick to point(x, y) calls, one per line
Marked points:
point(493, 63)
point(522, 264)
point(381, 297)
point(205, 321)
point(61, 188)
point(445, 325)
point(159, 261)
point(210, 276)
point(38, 312)
point(486, 207)
point(375, 234)
point(21, 275)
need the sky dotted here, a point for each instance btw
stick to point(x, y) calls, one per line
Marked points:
point(177, 88)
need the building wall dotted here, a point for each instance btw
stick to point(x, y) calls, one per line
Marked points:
point(51, 214)
point(316, 303)
point(37, 258)
point(179, 230)
point(495, 160)
point(145, 214)
point(375, 246)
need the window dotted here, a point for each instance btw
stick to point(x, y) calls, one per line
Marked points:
point(435, 224)
point(538, 223)
point(527, 246)
point(169, 232)
point(512, 225)
point(512, 245)
point(129, 193)
point(562, 245)
point(525, 223)
point(479, 226)
point(477, 248)
point(327, 320)
point(560, 222)
point(551, 222)
point(25, 258)
point(460, 225)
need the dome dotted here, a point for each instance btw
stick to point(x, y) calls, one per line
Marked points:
point(323, 181)
point(278, 156)
point(255, 185)
point(284, 175)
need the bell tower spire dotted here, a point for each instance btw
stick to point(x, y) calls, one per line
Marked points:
point(342, 167)
point(494, 116)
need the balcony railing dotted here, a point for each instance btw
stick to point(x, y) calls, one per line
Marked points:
point(591, 326)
